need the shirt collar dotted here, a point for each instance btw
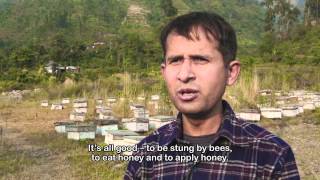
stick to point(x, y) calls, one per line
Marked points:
point(230, 129)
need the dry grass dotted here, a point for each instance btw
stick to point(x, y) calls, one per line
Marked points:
point(304, 140)
point(244, 93)
point(30, 149)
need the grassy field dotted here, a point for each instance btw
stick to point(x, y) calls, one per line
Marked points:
point(30, 149)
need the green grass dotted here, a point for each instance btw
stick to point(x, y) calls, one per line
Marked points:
point(13, 160)
point(79, 158)
point(181, 6)
point(312, 116)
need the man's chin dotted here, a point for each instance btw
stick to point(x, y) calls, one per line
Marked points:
point(189, 110)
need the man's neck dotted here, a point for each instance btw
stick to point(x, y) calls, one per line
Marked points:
point(203, 125)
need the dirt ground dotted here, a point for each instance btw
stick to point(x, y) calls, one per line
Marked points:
point(20, 122)
point(304, 138)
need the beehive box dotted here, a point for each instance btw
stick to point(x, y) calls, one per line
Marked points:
point(155, 97)
point(56, 106)
point(106, 125)
point(308, 105)
point(136, 124)
point(250, 114)
point(131, 141)
point(157, 121)
point(81, 131)
point(60, 127)
point(271, 113)
point(44, 103)
point(290, 111)
point(116, 137)
point(65, 101)
point(140, 113)
point(74, 116)
point(78, 103)
point(81, 110)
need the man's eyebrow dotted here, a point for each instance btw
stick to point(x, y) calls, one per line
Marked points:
point(195, 56)
point(174, 57)
point(198, 56)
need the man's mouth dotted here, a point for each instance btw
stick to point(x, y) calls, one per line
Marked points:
point(187, 94)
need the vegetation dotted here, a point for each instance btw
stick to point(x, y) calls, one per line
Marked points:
point(105, 38)
point(115, 44)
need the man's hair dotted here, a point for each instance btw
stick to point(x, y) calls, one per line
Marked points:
point(212, 24)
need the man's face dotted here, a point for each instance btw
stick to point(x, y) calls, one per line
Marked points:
point(194, 72)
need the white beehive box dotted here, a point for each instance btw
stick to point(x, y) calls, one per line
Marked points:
point(316, 103)
point(74, 116)
point(277, 93)
point(56, 106)
point(65, 101)
point(250, 115)
point(136, 106)
point(80, 103)
point(81, 132)
point(103, 109)
point(157, 121)
point(299, 93)
point(309, 105)
point(271, 113)
point(111, 101)
point(60, 127)
point(136, 124)
point(131, 141)
point(116, 137)
point(106, 125)
point(290, 111)
point(155, 97)
point(80, 110)
point(141, 98)
point(300, 108)
point(265, 92)
point(140, 113)
point(44, 103)
point(105, 115)
point(103, 128)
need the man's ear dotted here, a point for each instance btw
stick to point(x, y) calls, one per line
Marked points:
point(233, 72)
point(163, 66)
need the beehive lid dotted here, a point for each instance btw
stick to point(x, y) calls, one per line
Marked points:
point(106, 121)
point(122, 133)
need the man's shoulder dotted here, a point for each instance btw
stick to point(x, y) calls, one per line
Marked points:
point(255, 133)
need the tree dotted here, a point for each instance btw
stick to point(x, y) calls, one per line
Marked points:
point(280, 17)
point(270, 16)
point(312, 12)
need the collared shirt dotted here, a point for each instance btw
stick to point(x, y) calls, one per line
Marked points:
point(255, 154)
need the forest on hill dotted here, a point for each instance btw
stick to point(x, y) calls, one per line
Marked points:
point(105, 37)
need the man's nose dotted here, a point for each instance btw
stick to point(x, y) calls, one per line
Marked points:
point(186, 71)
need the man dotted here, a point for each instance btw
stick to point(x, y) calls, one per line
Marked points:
point(199, 62)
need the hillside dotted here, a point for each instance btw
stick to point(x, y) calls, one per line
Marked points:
point(104, 37)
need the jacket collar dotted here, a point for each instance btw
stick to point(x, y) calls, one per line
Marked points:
point(230, 129)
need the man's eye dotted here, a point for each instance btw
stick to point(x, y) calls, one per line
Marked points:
point(200, 60)
point(175, 61)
